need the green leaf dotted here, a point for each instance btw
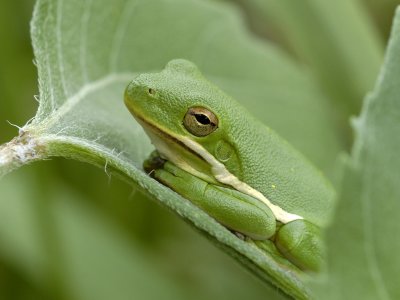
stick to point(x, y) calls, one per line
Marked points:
point(364, 240)
point(70, 249)
point(86, 53)
point(335, 38)
point(19, 230)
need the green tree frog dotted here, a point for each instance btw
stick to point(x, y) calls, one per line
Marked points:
point(229, 164)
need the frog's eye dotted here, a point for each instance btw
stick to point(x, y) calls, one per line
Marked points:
point(199, 121)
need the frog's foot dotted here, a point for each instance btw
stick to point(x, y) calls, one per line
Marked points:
point(300, 241)
point(240, 235)
point(153, 162)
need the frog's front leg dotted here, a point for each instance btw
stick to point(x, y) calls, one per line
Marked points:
point(300, 241)
point(236, 211)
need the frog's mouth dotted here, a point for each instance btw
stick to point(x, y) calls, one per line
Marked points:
point(173, 148)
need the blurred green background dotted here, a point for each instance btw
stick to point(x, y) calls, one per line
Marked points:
point(62, 237)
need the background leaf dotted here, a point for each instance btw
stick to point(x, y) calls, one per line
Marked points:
point(334, 38)
point(16, 66)
point(365, 233)
point(71, 248)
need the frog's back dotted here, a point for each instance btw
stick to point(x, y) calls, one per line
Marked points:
point(272, 166)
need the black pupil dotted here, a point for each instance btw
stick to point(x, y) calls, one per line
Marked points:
point(202, 119)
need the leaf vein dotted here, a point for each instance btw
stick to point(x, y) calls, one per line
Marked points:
point(48, 65)
point(83, 37)
point(120, 33)
point(59, 46)
point(85, 90)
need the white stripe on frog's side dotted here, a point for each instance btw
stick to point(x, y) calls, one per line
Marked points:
point(224, 176)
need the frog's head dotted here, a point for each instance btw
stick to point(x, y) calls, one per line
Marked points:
point(187, 118)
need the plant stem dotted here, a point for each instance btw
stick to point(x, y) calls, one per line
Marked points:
point(21, 150)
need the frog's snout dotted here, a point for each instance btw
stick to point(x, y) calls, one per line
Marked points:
point(139, 87)
point(139, 94)
point(132, 87)
point(134, 90)
point(132, 94)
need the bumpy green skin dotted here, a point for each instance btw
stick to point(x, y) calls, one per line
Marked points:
point(251, 151)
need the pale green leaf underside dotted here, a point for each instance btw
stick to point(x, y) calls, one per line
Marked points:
point(364, 241)
point(86, 53)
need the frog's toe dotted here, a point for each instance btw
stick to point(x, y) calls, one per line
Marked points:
point(153, 162)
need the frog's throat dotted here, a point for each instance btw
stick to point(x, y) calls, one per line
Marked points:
point(222, 175)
